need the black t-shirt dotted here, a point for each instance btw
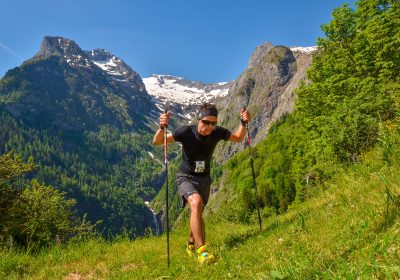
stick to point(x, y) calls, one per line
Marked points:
point(198, 149)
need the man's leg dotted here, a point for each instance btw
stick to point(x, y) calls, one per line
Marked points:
point(191, 236)
point(197, 231)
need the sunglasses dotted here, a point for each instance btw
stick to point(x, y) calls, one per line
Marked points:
point(208, 122)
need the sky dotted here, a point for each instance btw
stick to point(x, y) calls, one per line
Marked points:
point(202, 40)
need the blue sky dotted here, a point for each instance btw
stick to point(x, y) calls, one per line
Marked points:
point(204, 40)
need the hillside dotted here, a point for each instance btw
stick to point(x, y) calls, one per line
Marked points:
point(339, 233)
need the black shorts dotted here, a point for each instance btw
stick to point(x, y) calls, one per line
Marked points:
point(188, 185)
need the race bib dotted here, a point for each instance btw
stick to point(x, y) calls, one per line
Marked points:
point(200, 166)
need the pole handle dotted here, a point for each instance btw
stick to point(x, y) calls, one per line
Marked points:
point(245, 123)
point(165, 126)
point(165, 141)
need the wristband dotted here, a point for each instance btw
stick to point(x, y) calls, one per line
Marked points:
point(243, 122)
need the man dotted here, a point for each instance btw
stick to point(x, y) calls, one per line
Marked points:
point(193, 178)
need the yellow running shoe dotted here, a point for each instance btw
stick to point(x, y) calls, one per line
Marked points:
point(204, 257)
point(190, 249)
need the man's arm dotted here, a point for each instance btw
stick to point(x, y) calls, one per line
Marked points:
point(240, 133)
point(158, 138)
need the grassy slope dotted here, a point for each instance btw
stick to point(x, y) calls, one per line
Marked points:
point(350, 230)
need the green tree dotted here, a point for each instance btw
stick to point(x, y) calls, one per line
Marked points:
point(31, 214)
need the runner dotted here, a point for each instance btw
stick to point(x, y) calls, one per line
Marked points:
point(193, 178)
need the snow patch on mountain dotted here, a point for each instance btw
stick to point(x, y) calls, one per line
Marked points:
point(307, 50)
point(177, 90)
point(109, 63)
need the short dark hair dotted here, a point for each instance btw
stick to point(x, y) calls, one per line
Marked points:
point(207, 109)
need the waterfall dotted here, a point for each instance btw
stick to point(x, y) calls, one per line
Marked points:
point(156, 226)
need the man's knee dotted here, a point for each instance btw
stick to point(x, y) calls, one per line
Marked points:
point(195, 202)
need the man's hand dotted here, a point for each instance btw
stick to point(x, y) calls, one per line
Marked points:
point(245, 116)
point(158, 138)
point(240, 133)
point(164, 119)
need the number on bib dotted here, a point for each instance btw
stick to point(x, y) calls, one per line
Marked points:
point(200, 166)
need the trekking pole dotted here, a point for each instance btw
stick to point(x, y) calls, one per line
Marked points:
point(252, 172)
point(166, 185)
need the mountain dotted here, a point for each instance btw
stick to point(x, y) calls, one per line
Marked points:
point(267, 88)
point(182, 96)
point(64, 86)
point(87, 120)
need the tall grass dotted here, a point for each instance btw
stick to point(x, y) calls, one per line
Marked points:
point(349, 230)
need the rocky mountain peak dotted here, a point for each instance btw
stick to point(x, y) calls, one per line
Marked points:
point(64, 48)
point(113, 66)
point(58, 46)
point(92, 62)
point(259, 53)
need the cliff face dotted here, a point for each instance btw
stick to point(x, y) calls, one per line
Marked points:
point(266, 88)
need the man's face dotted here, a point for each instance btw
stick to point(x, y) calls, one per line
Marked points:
point(206, 125)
